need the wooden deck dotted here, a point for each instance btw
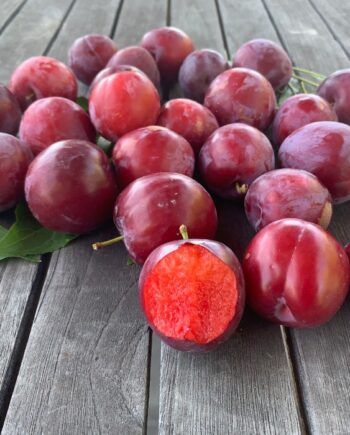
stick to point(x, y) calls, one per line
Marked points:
point(76, 356)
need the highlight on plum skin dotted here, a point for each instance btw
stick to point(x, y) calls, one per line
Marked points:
point(287, 193)
point(10, 111)
point(190, 119)
point(70, 187)
point(297, 111)
point(15, 157)
point(40, 77)
point(112, 105)
point(232, 158)
point(241, 95)
point(52, 119)
point(266, 57)
point(192, 293)
point(150, 210)
point(322, 148)
point(198, 70)
point(296, 273)
point(149, 150)
point(108, 71)
point(89, 54)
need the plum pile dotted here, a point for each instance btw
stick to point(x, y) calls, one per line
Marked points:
point(286, 166)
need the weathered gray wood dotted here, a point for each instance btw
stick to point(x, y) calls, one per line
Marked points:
point(8, 9)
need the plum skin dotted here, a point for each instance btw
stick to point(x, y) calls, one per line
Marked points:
point(52, 119)
point(15, 157)
point(322, 148)
point(241, 95)
point(150, 210)
point(225, 254)
point(40, 77)
point(10, 111)
point(297, 111)
point(287, 193)
point(296, 273)
point(70, 187)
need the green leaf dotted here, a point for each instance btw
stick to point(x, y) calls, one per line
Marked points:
point(27, 239)
point(105, 144)
point(83, 103)
point(2, 232)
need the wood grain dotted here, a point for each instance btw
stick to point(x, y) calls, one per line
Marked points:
point(7, 11)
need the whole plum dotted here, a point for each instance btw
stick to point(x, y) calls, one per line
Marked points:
point(10, 111)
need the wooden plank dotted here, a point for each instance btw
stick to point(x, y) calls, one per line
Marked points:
point(8, 9)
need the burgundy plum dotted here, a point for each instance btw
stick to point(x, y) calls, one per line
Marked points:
point(189, 119)
point(169, 46)
point(287, 193)
point(347, 250)
point(241, 95)
point(140, 58)
point(192, 293)
point(15, 158)
point(322, 148)
point(296, 273)
point(70, 187)
point(150, 210)
point(266, 57)
point(10, 112)
point(232, 157)
point(336, 90)
point(297, 111)
point(89, 54)
point(53, 119)
point(148, 150)
point(112, 104)
point(198, 70)
point(40, 77)
point(108, 71)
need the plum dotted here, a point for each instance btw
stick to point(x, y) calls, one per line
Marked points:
point(169, 46)
point(189, 119)
point(140, 58)
point(192, 293)
point(108, 71)
point(297, 111)
point(89, 54)
point(10, 111)
point(52, 119)
point(241, 95)
point(150, 210)
point(15, 158)
point(232, 157)
point(266, 57)
point(148, 150)
point(322, 148)
point(40, 77)
point(296, 273)
point(70, 187)
point(198, 70)
point(287, 193)
point(112, 104)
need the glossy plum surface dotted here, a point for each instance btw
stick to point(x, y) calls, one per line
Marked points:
point(193, 319)
point(322, 148)
point(150, 210)
point(189, 119)
point(15, 158)
point(53, 119)
point(140, 58)
point(70, 187)
point(287, 193)
point(241, 95)
point(266, 57)
point(169, 46)
point(108, 71)
point(89, 54)
point(148, 150)
point(296, 273)
point(297, 111)
point(198, 70)
point(10, 111)
point(40, 77)
point(112, 104)
point(336, 90)
point(232, 157)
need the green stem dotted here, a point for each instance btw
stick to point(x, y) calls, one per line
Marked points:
point(309, 82)
point(98, 245)
point(311, 73)
point(183, 232)
point(295, 91)
point(303, 87)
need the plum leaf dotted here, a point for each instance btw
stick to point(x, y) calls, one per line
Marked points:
point(83, 103)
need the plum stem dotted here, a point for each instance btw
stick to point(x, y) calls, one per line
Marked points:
point(98, 245)
point(295, 91)
point(183, 232)
point(309, 82)
point(311, 73)
point(241, 187)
